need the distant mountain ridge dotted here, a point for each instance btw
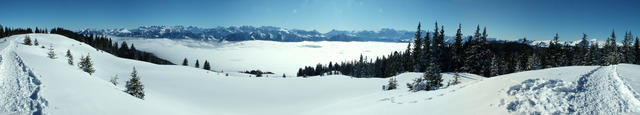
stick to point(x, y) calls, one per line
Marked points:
point(271, 33)
point(242, 33)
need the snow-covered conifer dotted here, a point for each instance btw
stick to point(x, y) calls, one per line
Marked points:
point(86, 65)
point(134, 85)
point(69, 57)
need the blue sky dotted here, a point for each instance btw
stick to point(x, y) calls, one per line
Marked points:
point(504, 19)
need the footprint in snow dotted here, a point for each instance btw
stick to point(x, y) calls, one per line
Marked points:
point(384, 99)
point(414, 101)
point(440, 94)
point(428, 98)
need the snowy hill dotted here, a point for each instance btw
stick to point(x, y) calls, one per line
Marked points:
point(30, 82)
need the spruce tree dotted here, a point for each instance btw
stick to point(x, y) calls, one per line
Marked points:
point(114, 80)
point(206, 65)
point(583, 52)
point(533, 62)
point(435, 78)
point(408, 64)
point(636, 48)
point(485, 56)
point(417, 49)
point(185, 62)
point(392, 84)
point(134, 85)
point(51, 53)
point(133, 53)
point(557, 54)
point(456, 79)
point(611, 58)
point(517, 67)
point(471, 63)
point(124, 50)
point(86, 65)
point(627, 51)
point(27, 40)
point(495, 66)
point(595, 55)
point(197, 64)
point(35, 42)
point(457, 50)
point(425, 55)
point(69, 57)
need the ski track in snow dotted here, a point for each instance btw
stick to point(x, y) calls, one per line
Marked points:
point(600, 91)
point(19, 86)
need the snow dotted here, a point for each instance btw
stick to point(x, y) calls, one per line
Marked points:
point(277, 57)
point(602, 86)
point(33, 83)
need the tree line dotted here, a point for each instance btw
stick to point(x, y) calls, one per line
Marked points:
point(429, 54)
point(106, 44)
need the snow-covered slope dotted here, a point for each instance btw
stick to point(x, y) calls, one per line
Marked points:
point(565, 90)
point(170, 89)
point(33, 83)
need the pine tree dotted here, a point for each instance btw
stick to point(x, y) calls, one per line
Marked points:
point(627, 51)
point(425, 55)
point(595, 55)
point(197, 64)
point(185, 62)
point(27, 40)
point(114, 80)
point(495, 66)
point(86, 65)
point(517, 67)
point(408, 64)
point(533, 62)
point(133, 53)
point(583, 52)
point(1, 31)
point(392, 84)
point(636, 48)
point(471, 63)
point(417, 49)
point(69, 57)
point(134, 85)
point(35, 42)
point(433, 74)
point(51, 53)
point(124, 50)
point(485, 56)
point(611, 58)
point(588, 56)
point(457, 51)
point(360, 68)
point(556, 52)
point(614, 54)
point(456, 79)
point(206, 65)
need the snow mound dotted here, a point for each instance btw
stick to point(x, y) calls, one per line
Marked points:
point(600, 91)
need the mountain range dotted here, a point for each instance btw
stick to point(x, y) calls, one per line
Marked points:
point(271, 33)
point(242, 33)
